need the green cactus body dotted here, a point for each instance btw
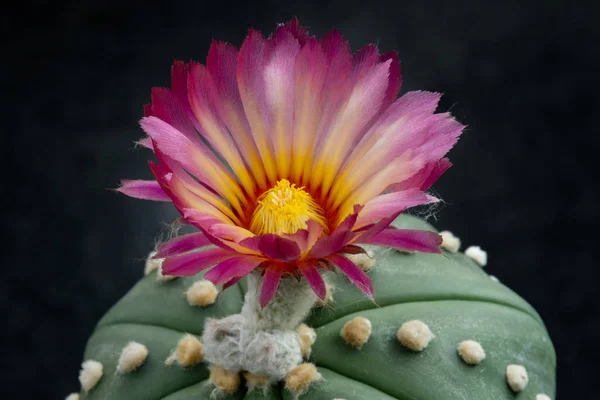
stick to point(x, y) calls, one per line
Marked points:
point(449, 292)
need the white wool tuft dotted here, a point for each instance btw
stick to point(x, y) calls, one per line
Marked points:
point(202, 293)
point(415, 335)
point(90, 373)
point(471, 352)
point(72, 396)
point(450, 242)
point(477, 254)
point(132, 357)
point(516, 376)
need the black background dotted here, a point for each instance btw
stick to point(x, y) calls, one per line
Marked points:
point(522, 75)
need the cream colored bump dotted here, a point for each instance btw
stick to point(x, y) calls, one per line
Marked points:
point(299, 379)
point(90, 373)
point(516, 376)
point(450, 242)
point(189, 351)
point(257, 381)
point(202, 293)
point(415, 335)
point(356, 332)
point(328, 296)
point(307, 336)
point(72, 396)
point(492, 277)
point(542, 396)
point(471, 352)
point(152, 264)
point(132, 357)
point(366, 262)
point(476, 254)
point(227, 381)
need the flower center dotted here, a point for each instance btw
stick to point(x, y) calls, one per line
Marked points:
point(285, 208)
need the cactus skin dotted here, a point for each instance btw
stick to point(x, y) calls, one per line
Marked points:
point(453, 295)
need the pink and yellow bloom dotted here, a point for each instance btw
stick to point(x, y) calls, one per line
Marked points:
point(288, 154)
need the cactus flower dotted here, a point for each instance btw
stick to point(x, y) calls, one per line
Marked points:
point(287, 155)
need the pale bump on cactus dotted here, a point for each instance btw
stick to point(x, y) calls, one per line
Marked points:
point(449, 292)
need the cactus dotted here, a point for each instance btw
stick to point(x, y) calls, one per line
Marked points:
point(448, 292)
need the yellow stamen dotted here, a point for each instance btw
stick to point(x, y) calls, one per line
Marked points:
point(285, 208)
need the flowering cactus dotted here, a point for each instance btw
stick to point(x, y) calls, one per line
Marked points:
point(292, 157)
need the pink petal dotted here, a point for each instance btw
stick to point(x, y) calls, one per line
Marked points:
point(337, 85)
point(273, 247)
point(193, 158)
point(221, 64)
point(355, 274)
point(145, 142)
point(306, 238)
point(363, 103)
point(407, 240)
point(278, 91)
point(309, 79)
point(179, 78)
point(314, 278)
point(394, 80)
point(298, 31)
point(200, 86)
point(191, 263)
point(147, 190)
point(182, 244)
point(341, 236)
point(250, 78)
point(389, 204)
point(231, 282)
point(425, 177)
point(236, 267)
point(352, 249)
point(269, 285)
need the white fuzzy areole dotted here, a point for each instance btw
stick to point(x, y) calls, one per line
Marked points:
point(307, 337)
point(492, 277)
point(516, 376)
point(471, 352)
point(132, 357)
point(202, 293)
point(188, 351)
point(300, 378)
point(366, 262)
point(356, 332)
point(224, 380)
point(478, 255)
point(72, 396)
point(542, 396)
point(90, 374)
point(152, 264)
point(450, 242)
point(415, 335)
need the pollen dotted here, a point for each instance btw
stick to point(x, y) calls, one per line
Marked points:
point(285, 208)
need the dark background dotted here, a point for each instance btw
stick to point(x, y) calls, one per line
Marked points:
point(522, 75)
